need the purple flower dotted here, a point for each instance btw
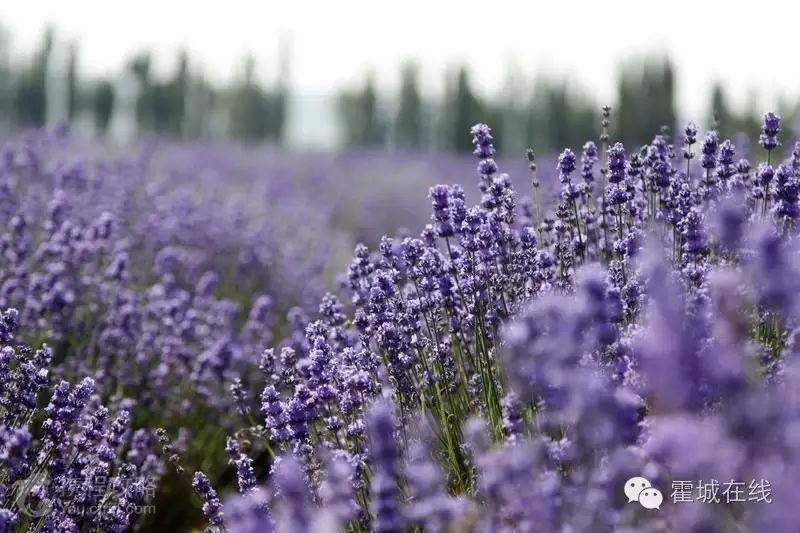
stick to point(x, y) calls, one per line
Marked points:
point(730, 219)
point(589, 158)
point(693, 232)
point(513, 421)
point(708, 159)
point(689, 138)
point(212, 507)
point(383, 454)
point(295, 513)
point(8, 325)
point(440, 200)
point(566, 165)
point(785, 191)
point(769, 131)
point(247, 513)
point(337, 489)
point(14, 446)
point(244, 466)
point(725, 166)
point(616, 163)
point(275, 415)
point(795, 158)
point(482, 139)
point(8, 519)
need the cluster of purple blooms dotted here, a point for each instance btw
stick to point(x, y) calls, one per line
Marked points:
point(120, 268)
point(69, 464)
point(510, 368)
point(505, 370)
point(124, 267)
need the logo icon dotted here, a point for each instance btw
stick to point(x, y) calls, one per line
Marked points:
point(25, 493)
point(639, 489)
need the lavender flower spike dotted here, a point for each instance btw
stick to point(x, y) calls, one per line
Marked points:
point(384, 460)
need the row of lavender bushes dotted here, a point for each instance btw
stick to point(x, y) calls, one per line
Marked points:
point(161, 274)
point(507, 370)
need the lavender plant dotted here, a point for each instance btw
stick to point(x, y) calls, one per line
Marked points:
point(506, 369)
point(546, 364)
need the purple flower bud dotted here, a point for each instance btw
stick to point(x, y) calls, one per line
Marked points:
point(708, 160)
point(244, 466)
point(8, 520)
point(212, 507)
point(566, 165)
point(589, 158)
point(690, 134)
point(247, 513)
point(482, 139)
point(616, 163)
point(384, 460)
point(769, 131)
point(14, 446)
point(8, 324)
point(337, 490)
point(295, 511)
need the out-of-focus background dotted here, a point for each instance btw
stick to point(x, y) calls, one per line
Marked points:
point(329, 76)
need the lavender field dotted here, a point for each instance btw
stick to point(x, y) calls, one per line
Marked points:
point(202, 336)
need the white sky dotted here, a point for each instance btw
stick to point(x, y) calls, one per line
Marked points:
point(749, 45)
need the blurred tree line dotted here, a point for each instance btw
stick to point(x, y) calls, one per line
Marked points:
point(548, 114)
point(47, 88)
